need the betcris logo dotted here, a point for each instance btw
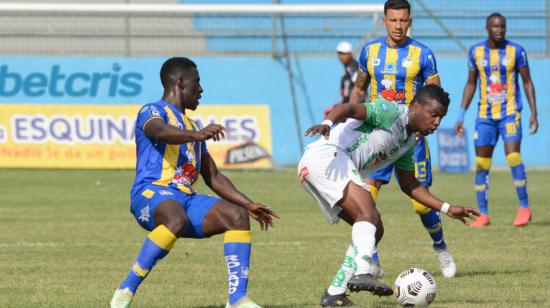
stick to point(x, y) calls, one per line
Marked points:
point(116, 82)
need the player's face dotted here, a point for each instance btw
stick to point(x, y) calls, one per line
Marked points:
point(397, 23)
point(496, 28)
point(429, 116)
point(345, 58)
point(191, 92)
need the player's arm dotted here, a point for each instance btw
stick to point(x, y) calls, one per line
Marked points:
point(530, 93)
point(158, 130)
point(338, 114)
point(412, 187)
point(359, 90)
point(224, 188)
point(467, 95)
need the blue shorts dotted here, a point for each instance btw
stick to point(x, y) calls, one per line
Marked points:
point(488, 130)
point(423, 166)
point(196, 207)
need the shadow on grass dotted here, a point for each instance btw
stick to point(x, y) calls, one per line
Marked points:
point(491, 272)
point(540, 223)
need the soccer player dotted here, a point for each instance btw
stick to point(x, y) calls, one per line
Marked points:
point(334, 167)
point(395, 67)
point(171, 155)
point(496, 63)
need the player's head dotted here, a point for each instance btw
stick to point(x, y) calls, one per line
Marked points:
point(345, 52)
point(427, 109)
point(496, 27)
point(180, 79)
point(397, 19)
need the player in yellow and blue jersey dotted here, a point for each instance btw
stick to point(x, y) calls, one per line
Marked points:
point(171, 155)
point(496, 62)
point(396, 67)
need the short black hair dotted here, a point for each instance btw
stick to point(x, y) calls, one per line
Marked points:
point(495, 14)
point(175, 68)
point(396, 5)
point(432, 92)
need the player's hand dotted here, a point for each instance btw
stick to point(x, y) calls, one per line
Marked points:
point(459, 129)
point(263, 214)
point(212, 131)
point(533, 125)
point(321, 129)
point(460, 212)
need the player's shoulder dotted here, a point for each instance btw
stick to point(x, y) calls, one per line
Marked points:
point(514, 44)
point(420, 45)
point(152, 109)
point(377, 41)
point(478, 44)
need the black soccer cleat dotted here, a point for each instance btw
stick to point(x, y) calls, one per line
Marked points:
point(366, 282)
point(340, 300)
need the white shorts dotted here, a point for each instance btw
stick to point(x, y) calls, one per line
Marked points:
point(325, 171)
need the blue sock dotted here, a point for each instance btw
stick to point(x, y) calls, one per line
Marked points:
point(375, 258)
point(482, 187)
point(520, 178)
point(432, 223)
point(236, 249)
point(157, 245)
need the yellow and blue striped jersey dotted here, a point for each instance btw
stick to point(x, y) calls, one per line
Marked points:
point(498, 78)
point(174, 165)
point(397, 73)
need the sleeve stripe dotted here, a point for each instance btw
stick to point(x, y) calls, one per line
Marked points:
point(155, 117)
point(432, 76)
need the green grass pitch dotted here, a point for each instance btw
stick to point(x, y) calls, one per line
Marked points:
point(67, 239)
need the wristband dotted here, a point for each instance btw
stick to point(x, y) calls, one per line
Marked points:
point(461, 113)
point(445, 207)
point(328, 122)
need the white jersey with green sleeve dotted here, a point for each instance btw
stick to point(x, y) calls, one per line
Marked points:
point(379, 140)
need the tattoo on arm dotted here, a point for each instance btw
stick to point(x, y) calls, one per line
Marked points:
point(359, 90)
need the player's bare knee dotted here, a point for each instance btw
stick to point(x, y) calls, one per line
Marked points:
point(371, 216)
point(177, 225)
point(240, 219)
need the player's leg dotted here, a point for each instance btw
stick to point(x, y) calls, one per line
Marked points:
point(234, 222)
point(358, 205)
point(511, 133)
point(163, 215)
point(485, 139)
point(430, 219)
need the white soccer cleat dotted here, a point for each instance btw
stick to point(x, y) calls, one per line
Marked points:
point(377, 270)
point(244, 302)
point(446, 262)
point(122, 298)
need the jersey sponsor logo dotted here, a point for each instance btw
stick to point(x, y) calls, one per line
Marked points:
point(165, 193)
point(496, 92)
point(185, 175)
point(375, 61)
point(505, 61)
point(390, 94)
point(483, 62)
point(154, 111)
point(56, 82)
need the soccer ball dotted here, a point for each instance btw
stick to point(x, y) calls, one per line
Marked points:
point(415, 287)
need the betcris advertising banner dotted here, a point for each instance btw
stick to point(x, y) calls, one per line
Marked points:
point(80, 113)
point(453, 151)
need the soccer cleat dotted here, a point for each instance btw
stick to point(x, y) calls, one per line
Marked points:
point(523, 217)
point(366, 282)
point(244, 302)
point(339, 300)
point(446, 262)
point(122, 298)
point(481, 221)
point(377, 269)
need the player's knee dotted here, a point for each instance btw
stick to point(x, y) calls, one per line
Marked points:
point(514, 159)
point(371, 216)
point(240, 219)
point(177, 225)
point(483, 163)
point(419, 208)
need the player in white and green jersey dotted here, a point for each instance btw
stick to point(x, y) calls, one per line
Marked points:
point(334, 167)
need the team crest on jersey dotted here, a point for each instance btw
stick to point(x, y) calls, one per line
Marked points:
point(375, 61)
point(390, 68)
point(407, 62)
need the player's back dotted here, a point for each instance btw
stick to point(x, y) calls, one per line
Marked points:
point(497, 69)
point(397, 73)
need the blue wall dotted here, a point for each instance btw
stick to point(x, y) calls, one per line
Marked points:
point(239, 80)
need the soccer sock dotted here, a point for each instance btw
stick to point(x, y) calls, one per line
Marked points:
point(362, 235)
point(374, 193)
point(519, 176)
point(347, 268)
point(157, 245)
point(236, 249)
point(483, 164)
